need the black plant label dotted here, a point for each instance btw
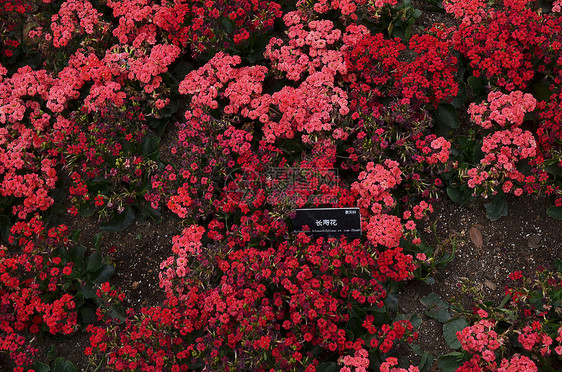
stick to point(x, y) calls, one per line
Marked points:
point(328, 222)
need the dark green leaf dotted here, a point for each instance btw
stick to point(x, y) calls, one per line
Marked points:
point(103, 275)
point(95, 262)
point(504, 301)
point(117, 312)
point(555, 170)
point(391, 303)
point(450, 362)
point(182, 69)
point(79, 299)
point(429, 280)
point(459, 100)
point(381, 316)
point(87, 290)
point(148, 211)
point(86, 210)
point(150, 146)
point(477, 85)
point(228, 25)
point(455, 194)
point(432, 300)
point(558, 265)
point(119, 222)
point(97, 240)
point(496, 208)
point(63, 365)
point(76, 254)
point(450, 332)
point(426, 361)
point(355, 325)
point(436, 308)
point(555, 212)
point(5, 226)
point(327, 367)
point(41, 367)
point(439, 314)
point(446, 115)
point(416, 321)
point(541, 91)
point(87, 315)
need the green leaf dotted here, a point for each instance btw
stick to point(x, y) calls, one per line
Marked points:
point(41, 367)
point(119, 222)
point(450, 332)
point(228, 25)
point(76, 254)
point(558, 265)
point(97, 240)
point(429, 280)
point(555, 212)
point(446, 115)
point(432, 300)
point(450, 362)
point(436, 308)
point(426, 361)
point(87, 315)
point(416, 321)
point(541, 91)
point(455, 194)
point(496, 208)
point(63, 365)
point(439, 314)
point(555, 170)
point(182, 69)
point(460, 99)
point(355, 324)
point(87, 290)
point(148, 211)
point(391, 302)
point(327, 367)
point(117, 312)
point(86, 210)
point(103, 275)
point(381, 316)
point(95, 262)
point(150, 146)
point(477, 85)
point(5, 226)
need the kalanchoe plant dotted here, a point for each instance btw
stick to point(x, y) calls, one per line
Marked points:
point(523, 332)
point(47, 286)
point(109, 158)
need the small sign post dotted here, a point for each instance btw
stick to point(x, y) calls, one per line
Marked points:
point(328, 222)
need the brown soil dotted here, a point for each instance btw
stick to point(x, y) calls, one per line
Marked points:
point(524, 240)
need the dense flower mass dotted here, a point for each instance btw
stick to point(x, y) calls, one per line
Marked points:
point(233, 114)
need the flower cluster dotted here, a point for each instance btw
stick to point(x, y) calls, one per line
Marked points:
point(202, 24)
point(376, 71)
point(72, 13)
point(504, 43)
point(104, 158)
point(31, 288)
point(23, 174)
point(374, 185)
point(349, 9)
point(390, 362)
point(532, 339)
point(506, 110)
point(503, 150)
point(359, 360)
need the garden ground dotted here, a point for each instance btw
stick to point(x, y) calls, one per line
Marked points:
point(523, 240)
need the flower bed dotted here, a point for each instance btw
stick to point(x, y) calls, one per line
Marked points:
point(271, 107)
